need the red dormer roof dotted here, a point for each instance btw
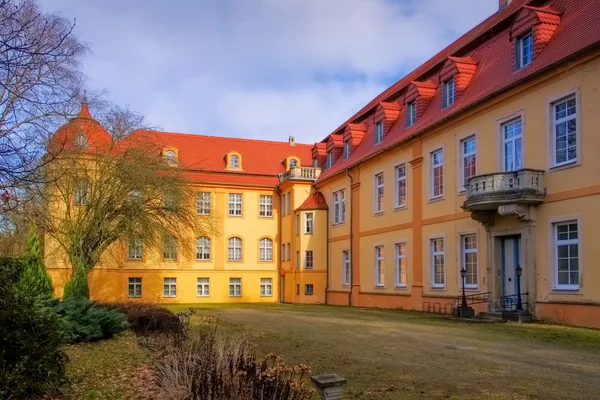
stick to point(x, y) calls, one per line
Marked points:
point(491, 46)
point(315, 201)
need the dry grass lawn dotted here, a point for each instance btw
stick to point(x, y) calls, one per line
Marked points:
point(405, 355)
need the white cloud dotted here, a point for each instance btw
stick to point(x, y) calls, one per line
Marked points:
point(260, 68)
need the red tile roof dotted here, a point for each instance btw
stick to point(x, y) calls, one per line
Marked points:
point(490, 46)
point(315, 201)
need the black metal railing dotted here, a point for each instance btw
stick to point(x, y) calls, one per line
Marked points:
point(476, 298)
point(513, 303)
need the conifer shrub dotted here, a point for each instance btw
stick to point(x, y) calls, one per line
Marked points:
point(77, 287)
point(35, 280)
point(86, 321)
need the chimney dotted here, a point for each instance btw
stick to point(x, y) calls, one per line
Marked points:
point(292, 141)
point(502, 4)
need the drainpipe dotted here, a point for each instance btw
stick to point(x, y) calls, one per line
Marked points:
point(327, 253)
point(281, 290)
point(351, 241)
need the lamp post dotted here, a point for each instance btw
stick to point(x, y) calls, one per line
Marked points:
point(519, 271)
point(463, 275)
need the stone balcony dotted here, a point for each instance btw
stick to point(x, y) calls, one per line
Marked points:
point(490, 191)
point(310, 174)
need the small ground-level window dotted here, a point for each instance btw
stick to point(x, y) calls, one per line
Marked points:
point(170, 287)
point(308, 289)
point(203, 287)
point(266, 287)
point(235, 287)
point(134, 287)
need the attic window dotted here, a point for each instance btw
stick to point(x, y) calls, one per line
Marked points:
point(170, 155)
point(234, 162)
point(329, 159)
point(411, 114)
point(378, 132)
point(293, 163)
point(448, 93)
point(81, 141)
point(524, 50)
point(347, 147)
point(315, 163)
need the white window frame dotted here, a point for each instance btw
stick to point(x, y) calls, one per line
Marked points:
point(463, 158)
point(339, 207)
point(235, 204)
point(512, 140)
point(463, 259)
point(309, 292)
point(266, 206)
point(170, 155)
point(265, 252)
point(400, 182)
point(378, 192)
point(521, 60)
point(170, 248)
point(266, 287)
point(235, 287)
point(565, 120)
point(234, 247)
point(379, 130)
point(81, 193)
point(411, 113)
point(566, 242)
point(309, 223)
point(134, 287)
point(203, 248)
point(329, 162)
point(293, 163)
point(347, 149)
point(170, 287)
point(202, 287)
point(432, 167)
point(398, 267)
point(346, 273)
point(309, 259)
point(432, 255)
point(234, 162)
point(298, 217)
point(203, 203)
point(379, 265)
point(448, 93)
point(135, 250)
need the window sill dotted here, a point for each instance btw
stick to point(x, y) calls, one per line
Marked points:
point(378, 213)
point(234, 216)
point(169, 297)
point(400, 208)
point(435, 199)
point(202, 295)
point(134, 297)
point(401, 287)
point(203, 214)
point(440, 288)
point(567, 290)
point(265, 217)
point(135, 259)
point(266, 295)
point(203, 261)
point(562, 167)
point(234, 261)
point(265, 261)
point(308, 233)
point(336, 224)
point(236, 295)
point(379, 286)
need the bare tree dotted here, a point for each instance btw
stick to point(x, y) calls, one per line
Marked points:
point(121, 121)
point(39, 82)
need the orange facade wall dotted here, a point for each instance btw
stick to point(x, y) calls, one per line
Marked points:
point(587, 315)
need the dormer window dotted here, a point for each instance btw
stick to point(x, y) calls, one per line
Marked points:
point(170, 155)
point(524, 53)
point(234, 162)
point(448, 93)
point(411, 114)
point(315, 163)
point(81, 141)
point(347, 148)
point(293, 163)
point(378, 132)
point(329, 159)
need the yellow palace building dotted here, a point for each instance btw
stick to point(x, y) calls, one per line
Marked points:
point(477, 171)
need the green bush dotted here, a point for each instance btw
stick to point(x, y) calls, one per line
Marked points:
point(148, 319)
point(77, 287)
point(35, 280)
point(86, 322)
point(31, 358)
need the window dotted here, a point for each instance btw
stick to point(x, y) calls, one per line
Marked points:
point(339, 206)
point(346, 268)
point(379, 193)
point(297, 289)
point(266, 287)
point(309, 227)
point(524, 50)
point(566, 255)
point(308, 259)
point(287, 252)
point(401, 266)
point(437, 174)
point(170, 201)
point(170, 287)
point(298, 223)
point(170, 155)
point(378, 132)
point(347, 149)
point(81, 193)
point(81, 141)
point(234, 250)
point(469, 259)
point(411, 114)
point(564, 133)
point(203, 203)
point(289, 203)
point(293, 163)
point(297, 259)
point(234, 162)
point(379, 266)
point(203, 248)
point(266, 206)
point(448, 93)
point(283, 204)
point(135, 251)
point(266, 249)
point(315, 163)
point(438, 256)
point(283, 252)
point(235, 287)
point(400, 172)
point(203, 287)
point(329, 159)
point(235, 204)
point(308, 289)
point(468, 154)
point(134, 287)
point(512, 145)
point(170, 248)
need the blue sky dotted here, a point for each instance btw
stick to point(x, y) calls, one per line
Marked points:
point(259, 68)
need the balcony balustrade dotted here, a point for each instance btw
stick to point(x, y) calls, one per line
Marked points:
point(301, 174)
point(489, 191)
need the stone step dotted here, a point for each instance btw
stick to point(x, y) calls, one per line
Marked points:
point(490, 315)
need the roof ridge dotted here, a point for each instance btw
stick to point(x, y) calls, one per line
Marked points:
point(222, 137)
